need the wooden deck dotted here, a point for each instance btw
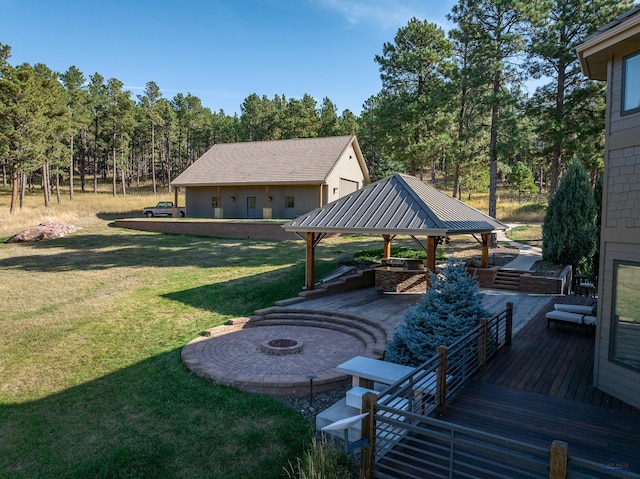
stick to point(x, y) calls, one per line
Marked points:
point(539, 390)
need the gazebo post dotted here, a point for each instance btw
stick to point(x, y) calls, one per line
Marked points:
point(485, 250)
point(432, 244)
point(310, 264)
point(387, 246)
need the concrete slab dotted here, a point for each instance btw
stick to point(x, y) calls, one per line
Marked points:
point(527, 257)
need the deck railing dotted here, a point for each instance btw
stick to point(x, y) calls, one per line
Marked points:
point(430, 385)
point(402, 442)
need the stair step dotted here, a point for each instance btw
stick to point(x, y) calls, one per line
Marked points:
point(374, 329)
point(508, 279)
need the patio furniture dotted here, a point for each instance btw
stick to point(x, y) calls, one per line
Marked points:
point(576, 308)
point(584, 286)
point(563, 317)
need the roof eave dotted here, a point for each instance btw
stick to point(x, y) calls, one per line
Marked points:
point(385, 231)
point(595, 52)
point(252, 183)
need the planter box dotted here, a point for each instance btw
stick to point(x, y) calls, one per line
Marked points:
point(546, 285)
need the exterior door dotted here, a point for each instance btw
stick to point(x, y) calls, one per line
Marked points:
point(251, 207)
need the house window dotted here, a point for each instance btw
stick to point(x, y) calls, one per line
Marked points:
point(625, 331)
point(289, 202)
point(214, 202)
point(631, 83)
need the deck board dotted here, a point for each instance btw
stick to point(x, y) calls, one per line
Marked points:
point(540, 389)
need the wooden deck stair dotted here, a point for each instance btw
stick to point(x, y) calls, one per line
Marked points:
point(508, 279)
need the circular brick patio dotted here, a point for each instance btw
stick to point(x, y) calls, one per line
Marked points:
point(235, 356)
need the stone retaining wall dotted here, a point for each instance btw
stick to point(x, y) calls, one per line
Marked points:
point(239, 229)
point(400, 280)
point(485, 276)
point(547, 285)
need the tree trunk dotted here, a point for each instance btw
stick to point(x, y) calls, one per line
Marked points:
point(556, 159)
point(95, 160)
point(493, 155)
point(123, 175)
point(456, 182)
point(70, 172)
point(124, 182)
point(83, 161)
point(15, 187)
point(115, 170)
point(58, 188)
point(153, 157)
point(541, 179)
point(45, 185)
point(23, 187)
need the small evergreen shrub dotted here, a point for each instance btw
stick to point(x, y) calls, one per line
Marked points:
point(569, 231)
point(521, 180)
point(449, 309)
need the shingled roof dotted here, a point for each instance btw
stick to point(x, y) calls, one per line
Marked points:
point(298, 161)
point(398, 204)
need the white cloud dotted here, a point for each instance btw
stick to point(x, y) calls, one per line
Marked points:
point(389, 14)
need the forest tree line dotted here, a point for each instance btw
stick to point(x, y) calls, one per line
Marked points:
point(452, 106)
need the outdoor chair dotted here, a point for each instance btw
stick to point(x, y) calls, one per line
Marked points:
point(578, 319)
point(577, 308)
point(584, 286)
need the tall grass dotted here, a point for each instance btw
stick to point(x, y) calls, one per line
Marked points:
point(85, 207)
point(509, 209)
point(322, 460)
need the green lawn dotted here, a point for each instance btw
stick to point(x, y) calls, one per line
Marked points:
point(91, 381)
point(527, 234)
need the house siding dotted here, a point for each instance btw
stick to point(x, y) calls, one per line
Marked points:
point(620, 235)
point(346, 168)
point(233, 200)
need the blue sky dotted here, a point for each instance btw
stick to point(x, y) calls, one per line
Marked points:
point(219, 50)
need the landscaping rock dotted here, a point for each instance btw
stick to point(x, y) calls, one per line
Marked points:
point(42, 232)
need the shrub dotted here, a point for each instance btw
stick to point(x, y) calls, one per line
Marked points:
point(374, 256)
point(569, 231)
point(447, 311)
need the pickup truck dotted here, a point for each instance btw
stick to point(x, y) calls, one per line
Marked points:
point(163, 208)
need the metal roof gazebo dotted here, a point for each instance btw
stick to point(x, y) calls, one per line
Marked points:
point(396, 205)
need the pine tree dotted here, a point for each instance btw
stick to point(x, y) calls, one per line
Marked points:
point(521, 180)
point(447, 311)
point(569, 231)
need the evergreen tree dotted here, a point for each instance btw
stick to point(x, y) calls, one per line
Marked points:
point(557, 27)
point(412, 112)
point(78, 105)
point(521, 180)
point(495, 30)
point(569, 231)
point(328, 119)
point(149, 102)
point(447, 311)
point(348, 123)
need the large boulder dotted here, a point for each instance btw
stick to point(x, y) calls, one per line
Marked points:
point(44, 231)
